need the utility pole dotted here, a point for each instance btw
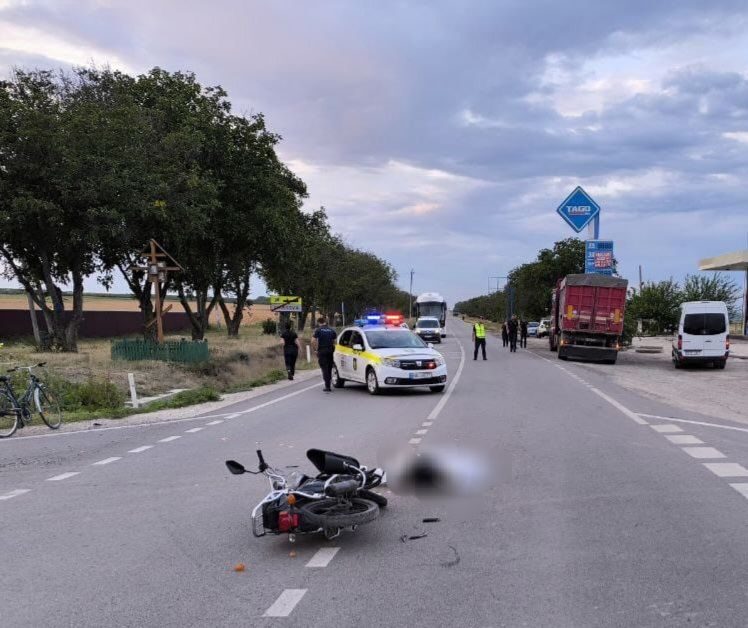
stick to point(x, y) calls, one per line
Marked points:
point(34, 322)
point(410, 300)
point(641, 283)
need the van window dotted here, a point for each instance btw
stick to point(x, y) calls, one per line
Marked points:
point(704, 324)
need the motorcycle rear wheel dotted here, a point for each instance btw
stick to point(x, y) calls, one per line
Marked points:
point(332, 513)
point(379, 500)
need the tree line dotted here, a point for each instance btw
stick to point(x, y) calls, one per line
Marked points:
point(656, 304)
point(95, 162)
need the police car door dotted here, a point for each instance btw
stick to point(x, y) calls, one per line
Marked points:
point(343, 358)
point(357, 365)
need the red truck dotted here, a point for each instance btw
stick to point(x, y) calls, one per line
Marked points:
point(587, 317)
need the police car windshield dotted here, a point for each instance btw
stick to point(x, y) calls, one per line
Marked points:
point(394, 339)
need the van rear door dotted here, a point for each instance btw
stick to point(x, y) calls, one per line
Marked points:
point(704, 333)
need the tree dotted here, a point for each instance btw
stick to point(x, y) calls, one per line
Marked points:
point(717, 287)
point(657, 303)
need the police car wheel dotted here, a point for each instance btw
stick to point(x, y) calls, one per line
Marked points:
point(372, 384)
point(337, 381)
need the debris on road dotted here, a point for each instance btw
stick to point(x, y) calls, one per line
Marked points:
point(240, 567)
point(431, 520)
point(414, 537)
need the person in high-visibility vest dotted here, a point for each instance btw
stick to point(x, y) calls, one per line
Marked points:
point(479, 338)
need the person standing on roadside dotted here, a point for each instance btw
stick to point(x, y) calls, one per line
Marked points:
point(290, 349)
point(504, 334)
point(523, 334)
point(513, 328)
point(479, 338)
point(323, 343)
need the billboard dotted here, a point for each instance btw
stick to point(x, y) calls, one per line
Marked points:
point(598, 257)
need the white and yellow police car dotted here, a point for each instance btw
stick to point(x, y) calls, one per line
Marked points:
point(386, 356)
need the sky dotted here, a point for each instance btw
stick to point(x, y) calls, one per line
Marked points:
point(443, 135)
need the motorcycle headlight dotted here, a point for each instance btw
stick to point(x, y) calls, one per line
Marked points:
point(392, 362)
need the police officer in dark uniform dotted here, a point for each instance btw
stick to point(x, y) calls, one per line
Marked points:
point(324, 346)
point(513, 328)
point(523, 333)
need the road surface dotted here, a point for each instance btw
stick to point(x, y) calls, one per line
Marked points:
point(606, 509)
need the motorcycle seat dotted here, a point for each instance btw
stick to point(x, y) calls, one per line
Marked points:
point(330, 462)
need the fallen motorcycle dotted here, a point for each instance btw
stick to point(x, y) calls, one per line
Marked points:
point(339, 497)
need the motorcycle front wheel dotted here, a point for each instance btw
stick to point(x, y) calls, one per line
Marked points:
point(333, 513)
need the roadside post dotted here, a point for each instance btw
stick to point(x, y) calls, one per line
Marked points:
point(133, 394)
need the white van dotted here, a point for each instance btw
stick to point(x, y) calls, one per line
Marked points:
point(702, 334)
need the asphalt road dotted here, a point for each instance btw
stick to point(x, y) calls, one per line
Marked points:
point(605, 509)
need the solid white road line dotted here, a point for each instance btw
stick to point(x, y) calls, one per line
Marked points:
point(427, 424)
point(323, 557)
point(168, 439)
point(63, 476)
point(414, 441)
point(285, 603)
point(107, 460)
point(666, 429)
point(727, 469)
point(278, 400)
point(137, 450)
point(16, 493)
point(193, 430)
point(232, 416)
point(421, 432)
point(703, 452)
point(741, 487)
point(442, 402)
point(684, 439)
point(670, 418)
point(215, 422)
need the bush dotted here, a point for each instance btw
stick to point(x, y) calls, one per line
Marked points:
point(269, 327)
point(186, 398)
point(91, 395)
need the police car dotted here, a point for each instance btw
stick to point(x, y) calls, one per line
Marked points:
point(386, 356)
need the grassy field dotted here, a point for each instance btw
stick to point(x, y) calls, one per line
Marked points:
point(235, 364)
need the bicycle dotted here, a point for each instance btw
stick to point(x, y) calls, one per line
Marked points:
point(17, 412)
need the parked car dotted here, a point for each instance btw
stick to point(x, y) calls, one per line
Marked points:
point(703, 334)
point(532, 329)
point(544, 327)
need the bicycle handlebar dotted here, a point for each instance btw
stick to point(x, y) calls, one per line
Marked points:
point(26, 368)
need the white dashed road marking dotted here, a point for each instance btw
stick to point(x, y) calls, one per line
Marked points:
point(703, 452)
point(670, 418)
point(107, 460)
point(193, 430)
point(414, 441)
point(168, 439)
point(727, 469)
point(421, 432)
point(16, 493)
point(427, 423)
point(285, 603)
point(684, 439)
point(741, 487)
point(138, 450)
point(63, 476)
point(666, 429)
point(323, 557)
point(214, 422)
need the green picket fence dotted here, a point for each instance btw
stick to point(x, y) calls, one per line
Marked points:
point(170, 351)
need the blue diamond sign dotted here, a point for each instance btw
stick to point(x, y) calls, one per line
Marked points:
point(578, 210)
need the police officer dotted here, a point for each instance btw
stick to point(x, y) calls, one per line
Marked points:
point(513, 328)
point(523, 333)
point(323, 343)
point(479, 338)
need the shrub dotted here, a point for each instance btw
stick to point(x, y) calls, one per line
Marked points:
point(269, 327)
point(186, 398)
point(92, 395)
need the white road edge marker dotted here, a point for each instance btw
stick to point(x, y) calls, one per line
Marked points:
point(16, 493)
point(727, 469)
point(427, 424)
point(137, 450)
point(168, 439)
point(193, 430)
point(741, 487)
point(274, 401)
point(285, 603)
point(443, 401)
point(684, 439)
point(107, 461)
point(616, 404)
point(692, 422)
point(666, 429)
point(703, 452)
point(63, 476)
point(323, 557)
point(215, 422)
point(233, 415)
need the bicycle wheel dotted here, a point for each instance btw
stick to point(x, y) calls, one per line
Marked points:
point(8, 416)
point(48, 407)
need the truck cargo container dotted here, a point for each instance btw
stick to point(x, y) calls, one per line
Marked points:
point(587, 317)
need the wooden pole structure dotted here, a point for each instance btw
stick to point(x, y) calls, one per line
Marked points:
point(34, 322)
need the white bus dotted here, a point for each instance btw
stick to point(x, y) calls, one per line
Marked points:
point(432, 304)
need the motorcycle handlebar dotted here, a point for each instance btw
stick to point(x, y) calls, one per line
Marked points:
point(263, 464)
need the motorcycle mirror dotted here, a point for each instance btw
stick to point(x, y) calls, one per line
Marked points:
point(235, 467)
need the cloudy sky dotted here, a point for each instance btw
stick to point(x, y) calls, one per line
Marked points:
point(442, 135)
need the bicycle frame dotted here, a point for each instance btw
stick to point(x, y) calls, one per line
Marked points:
point(22, 405)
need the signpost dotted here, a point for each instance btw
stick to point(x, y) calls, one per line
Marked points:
point(578, 210)
point(280, 303)
point(598, 257)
